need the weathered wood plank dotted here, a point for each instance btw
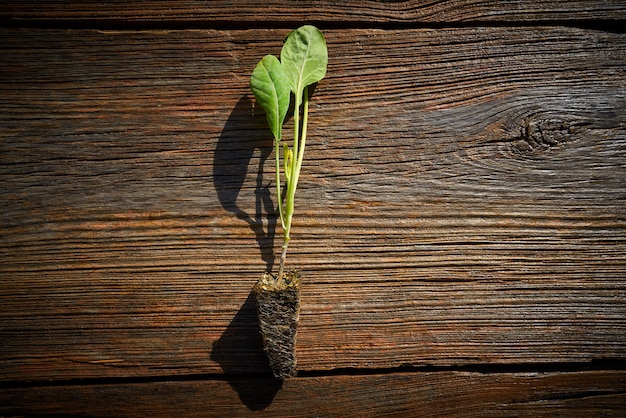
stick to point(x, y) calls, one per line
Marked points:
point(462, 201)
point(453, 394)
point(272, 12)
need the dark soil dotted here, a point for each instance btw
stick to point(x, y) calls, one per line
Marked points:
point(278, 309)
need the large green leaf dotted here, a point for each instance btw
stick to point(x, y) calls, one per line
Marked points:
point(304, 57)
point(271, 89)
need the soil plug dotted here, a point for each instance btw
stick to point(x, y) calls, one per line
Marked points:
point(278, 308)
point(303, 61)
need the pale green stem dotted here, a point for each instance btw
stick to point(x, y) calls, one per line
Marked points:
point(283, 256)
point(299, 141)
point(305, 119)
point(278, 191)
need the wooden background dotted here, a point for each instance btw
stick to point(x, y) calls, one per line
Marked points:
point(460, 221)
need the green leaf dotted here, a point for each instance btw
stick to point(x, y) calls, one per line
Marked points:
point(271, 89)
point(304, 58)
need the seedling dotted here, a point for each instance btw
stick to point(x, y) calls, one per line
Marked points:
point(303, 62)
point(275, 82)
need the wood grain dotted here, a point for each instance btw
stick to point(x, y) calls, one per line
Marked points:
point(272, 12)
point(451, 394)
point(462, 201)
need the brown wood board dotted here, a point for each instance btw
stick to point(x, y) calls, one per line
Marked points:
point(430, 394)
point(461, 201)
point(273, 12)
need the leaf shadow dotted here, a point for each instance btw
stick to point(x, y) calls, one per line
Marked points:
point(244, 135)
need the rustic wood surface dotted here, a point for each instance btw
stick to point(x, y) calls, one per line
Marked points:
point(462, 204)
point(272, 12)
point(423, 394)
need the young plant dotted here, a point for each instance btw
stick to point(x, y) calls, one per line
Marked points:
point(303, 61)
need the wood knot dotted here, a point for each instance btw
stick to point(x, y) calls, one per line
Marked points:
point(539, 134)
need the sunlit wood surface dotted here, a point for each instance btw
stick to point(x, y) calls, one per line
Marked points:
point(460, 218)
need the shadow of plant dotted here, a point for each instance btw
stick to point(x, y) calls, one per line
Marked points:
point(239, 351)
point(244, 134)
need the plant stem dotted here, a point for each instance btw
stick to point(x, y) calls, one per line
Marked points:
point(278, 191)
point(299, 142)
point(305, 119)
point(283, 256)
